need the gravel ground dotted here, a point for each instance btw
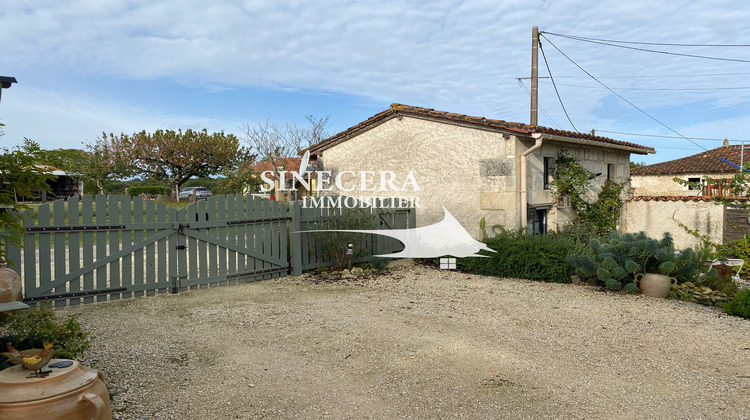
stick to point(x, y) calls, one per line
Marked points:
point(418, 343)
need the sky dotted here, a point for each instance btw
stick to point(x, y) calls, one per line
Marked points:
point(87, 66)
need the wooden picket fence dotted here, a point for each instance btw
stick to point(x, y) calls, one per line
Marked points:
point(106, 248)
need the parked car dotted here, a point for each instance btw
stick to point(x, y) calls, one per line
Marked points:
point(200, 192)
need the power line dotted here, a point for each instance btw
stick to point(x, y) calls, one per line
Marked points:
point(668, 137)
point(541, 33)
point(618, 95)
point(658, 76)
point(582, 38)
point(555, 86)
point(520, 82)
point(671, 89)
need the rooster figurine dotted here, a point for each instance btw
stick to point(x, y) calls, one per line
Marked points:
point(31, 359)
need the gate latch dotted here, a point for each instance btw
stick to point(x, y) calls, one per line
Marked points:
point(181, 247)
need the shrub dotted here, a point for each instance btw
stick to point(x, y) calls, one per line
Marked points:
point(624, 256)
point(380, 263)
point(335, 242)
point(713, 281)
point(739, 305)
point(519, 255)
point(30, 328)
point(147, 189)
point(741, 249)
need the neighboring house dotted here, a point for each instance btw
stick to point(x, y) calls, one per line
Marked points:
point(62, 186)
point(706, 208)
point(708, 173)
point(292, 190)
point(474, 167)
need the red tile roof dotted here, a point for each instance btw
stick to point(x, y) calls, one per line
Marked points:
point(288, 164)
point(676, 198)
point(708, 162)
point(520, 128)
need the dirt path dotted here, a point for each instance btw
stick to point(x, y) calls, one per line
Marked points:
point(421, 343)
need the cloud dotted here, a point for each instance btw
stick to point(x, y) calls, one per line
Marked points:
point(55, 120)
point(461, 56)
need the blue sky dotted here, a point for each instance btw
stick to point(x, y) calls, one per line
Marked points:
point(85, 67)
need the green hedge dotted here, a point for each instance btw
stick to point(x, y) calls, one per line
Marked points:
point(147, 189)
point(532, 257)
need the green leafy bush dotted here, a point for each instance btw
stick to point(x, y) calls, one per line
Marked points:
point(519, 255)
point(334, 242)
point(741, 249)
point(147, 189)
point(380, 263)
point(30, 328)
point(615, 263)
point(739, 305)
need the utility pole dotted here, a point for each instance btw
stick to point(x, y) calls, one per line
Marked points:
point(534, 76)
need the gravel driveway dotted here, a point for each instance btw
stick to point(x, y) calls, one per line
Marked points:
point(418, 343)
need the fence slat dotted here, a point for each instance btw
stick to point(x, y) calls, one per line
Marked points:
point(202, 246)
point(60, 246)
point(127, 240)
point(30, 257)
point(150, 248)
point(138, 235)
point(231, 233)
point(221, 233)
point(114, 245)
point(162, 279)
point(101, 245)
point(191, 216)
point(45, 273)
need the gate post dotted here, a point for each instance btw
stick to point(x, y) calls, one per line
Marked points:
point(295, 238)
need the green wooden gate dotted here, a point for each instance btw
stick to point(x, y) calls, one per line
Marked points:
point(106, 248)
point(113, 247)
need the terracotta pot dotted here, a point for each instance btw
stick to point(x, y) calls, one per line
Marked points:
point(10, 284)
point(71, 393)
point(655, 285)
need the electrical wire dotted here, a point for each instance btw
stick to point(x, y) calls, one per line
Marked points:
point(520, 82)
point(582, 38)
point(555, 86)
point(658, 76)
point(737, 60)
point(669, 137)
point(670, 89)
point(618, 95)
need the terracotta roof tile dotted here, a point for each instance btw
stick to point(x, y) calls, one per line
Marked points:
point(289, 164)
point(708, 162)
point(685, 198)
point(520, 128)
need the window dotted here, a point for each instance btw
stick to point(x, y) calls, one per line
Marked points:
point(548, 178)
point(611, 171)
point(694, 184)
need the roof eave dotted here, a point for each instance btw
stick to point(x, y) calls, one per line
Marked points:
point(594, 143)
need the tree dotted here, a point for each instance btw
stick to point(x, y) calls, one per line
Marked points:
point(177, 156)
point(103, 161)
point(275, 143)
point(18, 178)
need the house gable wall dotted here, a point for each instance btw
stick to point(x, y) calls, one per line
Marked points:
point(470, 172)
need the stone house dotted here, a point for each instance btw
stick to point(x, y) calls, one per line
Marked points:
point(708, 174)
point(705, 207)
point(477, 168)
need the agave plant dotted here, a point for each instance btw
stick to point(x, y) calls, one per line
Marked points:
point(615, 263)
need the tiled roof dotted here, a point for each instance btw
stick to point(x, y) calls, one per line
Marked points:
point(708, 162)
point(286, 164)
point(686, 198)
point(399, 109)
